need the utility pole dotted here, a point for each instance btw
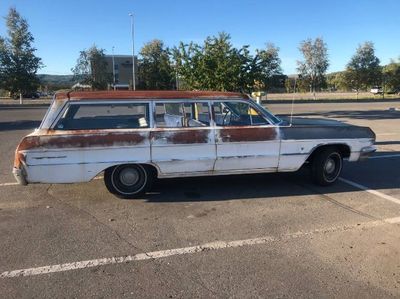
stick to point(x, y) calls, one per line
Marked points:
point(176, 77)
point(113, 66)
point(133, 53)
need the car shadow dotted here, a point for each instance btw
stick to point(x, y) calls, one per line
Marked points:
point(387, 142)
point(273, 185)
point(361, 114)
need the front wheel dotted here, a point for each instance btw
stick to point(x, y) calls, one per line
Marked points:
point(128, 180)
point(327, 166)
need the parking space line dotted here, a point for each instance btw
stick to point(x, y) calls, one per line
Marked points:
point(369, 190)
point(15, 183)
point(8, 184)
point(187, 250)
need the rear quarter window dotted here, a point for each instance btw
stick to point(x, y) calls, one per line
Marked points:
point(104, 116)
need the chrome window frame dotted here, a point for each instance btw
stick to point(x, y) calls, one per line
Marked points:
point(105, 102)
point(252, 105)
point(182, 101)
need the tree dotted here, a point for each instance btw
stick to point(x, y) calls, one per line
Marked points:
point(391, 75)
point(336, 81)
point(18, 63)
point(91, 68)
point(363, 69)
point(154, 67)
point(315, 63)
point(266, 69)
point(217, 65)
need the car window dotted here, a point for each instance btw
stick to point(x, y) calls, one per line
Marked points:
point(237, 114)
point(104, 116)
point(175, 115)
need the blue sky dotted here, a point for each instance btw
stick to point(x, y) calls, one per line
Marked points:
point(63, 28)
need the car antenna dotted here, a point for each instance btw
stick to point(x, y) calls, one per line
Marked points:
point(292, 108)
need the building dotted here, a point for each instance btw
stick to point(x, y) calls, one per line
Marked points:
point(122, 70)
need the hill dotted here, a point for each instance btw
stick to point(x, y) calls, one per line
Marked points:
point(56, 81)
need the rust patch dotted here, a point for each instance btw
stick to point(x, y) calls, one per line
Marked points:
point(77, 141)
point(19, 159)
point(243, 134)
point(182, 136)
point(89, 140)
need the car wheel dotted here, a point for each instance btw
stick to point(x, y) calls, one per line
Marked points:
point(327, 166)
point(128, 180)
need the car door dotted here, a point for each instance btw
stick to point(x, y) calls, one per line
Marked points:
point(183, 141)
point(246, 141)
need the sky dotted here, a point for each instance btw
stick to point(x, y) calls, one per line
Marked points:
point(63, 28)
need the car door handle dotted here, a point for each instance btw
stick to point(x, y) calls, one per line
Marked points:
point(153, 138)
point(225, 138)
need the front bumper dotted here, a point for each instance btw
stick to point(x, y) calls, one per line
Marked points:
point(367, 151)
point(20, 176)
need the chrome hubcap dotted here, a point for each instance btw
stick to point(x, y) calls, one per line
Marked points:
point(129, 176)
point(330, 166)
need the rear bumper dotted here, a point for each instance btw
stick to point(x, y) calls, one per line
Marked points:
point(20, 176)
point(366, 152)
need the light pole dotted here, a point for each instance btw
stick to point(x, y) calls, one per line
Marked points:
point(133, 53)
point(113, 66)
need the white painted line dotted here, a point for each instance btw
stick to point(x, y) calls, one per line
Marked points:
point(187, 250)
point(369, 190)
point(393, 220)
point(8, 184)
point(384, 156)
point(15, 183)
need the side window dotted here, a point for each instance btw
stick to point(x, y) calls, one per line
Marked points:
point(104, 116)
point(175, 115)
point(237, 114)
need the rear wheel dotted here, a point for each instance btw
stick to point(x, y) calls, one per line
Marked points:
point(128, 180)
point(327, 166)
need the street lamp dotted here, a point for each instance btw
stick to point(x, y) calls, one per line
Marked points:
point(113, 66)
point(133, 53)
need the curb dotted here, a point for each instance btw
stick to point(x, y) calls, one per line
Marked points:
point(311, 101)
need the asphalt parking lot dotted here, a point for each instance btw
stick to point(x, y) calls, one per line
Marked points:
point(264, 235)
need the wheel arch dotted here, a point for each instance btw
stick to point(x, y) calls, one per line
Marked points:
point(343, 148)
point(152, 167)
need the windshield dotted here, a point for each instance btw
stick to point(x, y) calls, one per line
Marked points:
point(275, 120)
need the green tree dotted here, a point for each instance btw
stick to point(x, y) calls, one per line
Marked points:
point(336, 81)
point(91, 68)
point(315, 63)
point(154, 67)
point(266, 68)
point(18, 63)
point(363, 69)
point(391, 75)
point(289, 85)
point(217, 65)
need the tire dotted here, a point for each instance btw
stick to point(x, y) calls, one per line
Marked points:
point(128, 180)
point(327, 166)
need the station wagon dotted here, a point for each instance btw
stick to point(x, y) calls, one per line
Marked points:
point(137, 136)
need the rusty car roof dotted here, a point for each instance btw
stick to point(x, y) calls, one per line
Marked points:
point(147, 94)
